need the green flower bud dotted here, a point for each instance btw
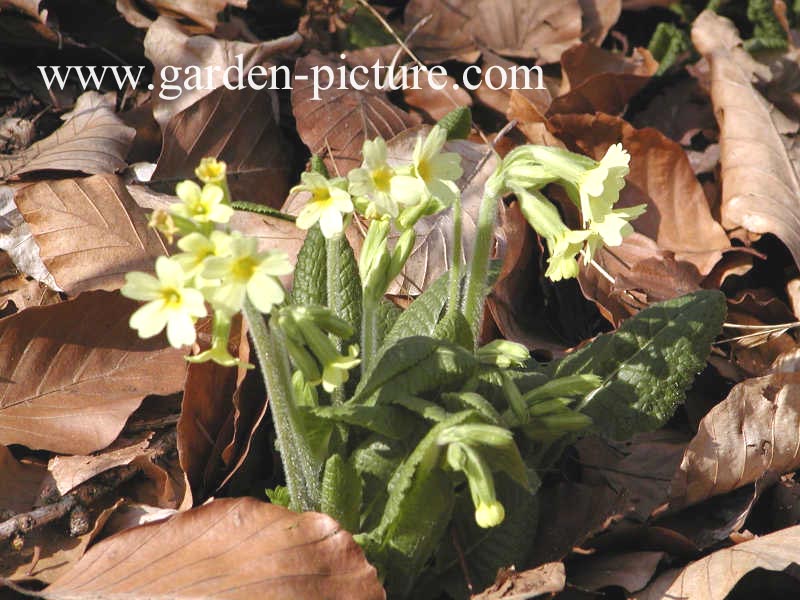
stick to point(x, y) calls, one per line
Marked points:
point(565, 421)
point(475, 434)
point(503, 354)
point(400, 254)
point(547, 407)
point(304, 361)
point(570, 386)
point(488, 511)
point(489, 514)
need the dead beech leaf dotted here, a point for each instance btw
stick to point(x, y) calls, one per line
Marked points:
point(74, 372)
point(29, 7)
point(444, 35)
point(600, 81)
point(239, 127)
point(713, 577)
point(274, 554)
point(631, 571)
point(92, 140)
point(537, 29)
point(599, 16)
point(68, 472)
point(548, 578)
point(90, 231)
point(166, 45)
point(336, 125)
point(432, 251)
point(204, 14)
point(760, 183)
point(19, 482)
point(752, 433)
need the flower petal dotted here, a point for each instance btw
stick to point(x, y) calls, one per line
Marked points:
point(180, 330)
point(150, 319)
point(141, 286)
point(330, 222)
point(264, 292)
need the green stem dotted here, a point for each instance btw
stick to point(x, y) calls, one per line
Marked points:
point(455, 268)
point(263, 210)
point(479, 267)
point(302, 470)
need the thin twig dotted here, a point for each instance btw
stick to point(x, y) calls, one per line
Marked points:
point(85, 494)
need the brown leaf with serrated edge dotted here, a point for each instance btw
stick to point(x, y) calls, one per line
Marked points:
point(92, 140)
point(714, 576)
point(90, 231)
point(340, 119)
point(238, 127)
point(229, 548)
point(751, 433)
point(74, 372)
point(760, 183)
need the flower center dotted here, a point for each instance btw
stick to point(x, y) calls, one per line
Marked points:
point(322, 196)
point(242, 268)
point(381, 177)
point(424, 170)
point(172, 297)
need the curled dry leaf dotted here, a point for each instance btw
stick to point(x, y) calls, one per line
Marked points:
point(713, 577)
point(89, 231)
point(760, 183)
point(74, 372)
point(631, 571)
point(275, 553)
point(752, 433)
point(29, 7)
point(92, 140)
point(599, 16)
point(432, 251)
point(335, 124)
point(19, 482)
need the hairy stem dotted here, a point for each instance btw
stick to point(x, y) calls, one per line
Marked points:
point(455, 268)
point(302, 470)
point(369, 332)
point(333, 281)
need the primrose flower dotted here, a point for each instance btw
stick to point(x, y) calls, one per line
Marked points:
point(374, 180)
point(245, 271)
point(437, 171)
point(564, 249)
point(218, 352)
point(335, 372)
point(162, 221)
point(335, 366)
point(612, 227)
point(489, 514)
point(198, 247)
point(169, 303)
point(329, 201)
point(488, 510)
point(211, 170)
point(204, 205)
point(599, 187)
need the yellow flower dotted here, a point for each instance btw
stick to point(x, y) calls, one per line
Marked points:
point(211, 170)
point(246, 271)
point(197, 248)
point(329, 201)
point(599, 187)
point(564, 248)
point(169, 303)
point(218, 352)
point(162, 221)
point(201, 205)
point(489, 514)
point(373, 181)
point(432, 173)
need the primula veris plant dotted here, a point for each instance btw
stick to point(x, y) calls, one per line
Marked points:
point(398, 424)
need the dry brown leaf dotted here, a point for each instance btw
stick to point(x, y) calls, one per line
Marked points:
point(29, 7)
point(90, 231)
point(274, 554)
point(599, 16)
point(631, 571)
point(68, 472)
point(207, 405)
point(73, 372)
point(713, 577)
point(92, 140)
point(600, 81)
point(165, 45)
point(239, 127)
point(432, 251)
point(336, 125)
point(500, 99)
point(444, 35)
point(760, 184)
point(549, 578)
point(752, 433)
point(538, 29)
point(19, 482)
point(434, 102)
point(204, 14)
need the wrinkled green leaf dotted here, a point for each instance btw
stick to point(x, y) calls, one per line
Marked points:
point(389, 421)
point(421, 317)
point(341, 492)
point(457, 123)
point(309, 286)
point(647, 364)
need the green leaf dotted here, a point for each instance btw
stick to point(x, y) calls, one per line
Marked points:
point(767, 31)
point(388, 313)
point(344, 292)
point(310, 286)
point(279, 495)
point(341, 492)
point(413, 366)
point(388, 421)
point(318, 165)
point(457, 123)
point(455, 328)
point(647, 364)
point(667, 44)
point(421, 317)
